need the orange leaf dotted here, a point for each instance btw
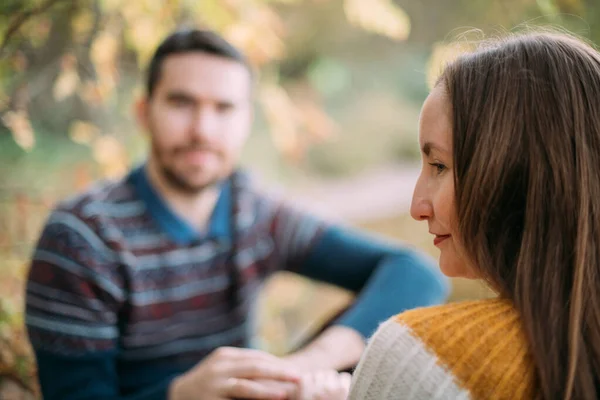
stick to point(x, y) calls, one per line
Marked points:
point(83, 132)
point(441, 55)
point(378, 16)
point(111, 155)
point(68, 80)
point(283, 118)
point(20, 127)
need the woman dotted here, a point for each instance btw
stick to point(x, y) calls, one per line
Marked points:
point(510, 189)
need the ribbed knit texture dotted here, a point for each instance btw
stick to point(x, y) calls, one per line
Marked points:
point(468, 350)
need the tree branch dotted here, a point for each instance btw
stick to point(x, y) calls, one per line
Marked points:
point(22, 18)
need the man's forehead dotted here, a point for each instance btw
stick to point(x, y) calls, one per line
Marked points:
point(206, 72)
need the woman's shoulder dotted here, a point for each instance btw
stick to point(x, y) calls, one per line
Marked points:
point(458, 350)
point(461, 318)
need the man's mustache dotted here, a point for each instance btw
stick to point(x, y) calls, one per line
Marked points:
point(196, 147)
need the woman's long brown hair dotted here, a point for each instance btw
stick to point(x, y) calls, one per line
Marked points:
point(526, 137)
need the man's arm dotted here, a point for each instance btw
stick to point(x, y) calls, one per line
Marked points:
point(388, 280)
point(337, 347)
point(72, 302)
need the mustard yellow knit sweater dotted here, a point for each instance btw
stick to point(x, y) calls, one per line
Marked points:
point(469, 350)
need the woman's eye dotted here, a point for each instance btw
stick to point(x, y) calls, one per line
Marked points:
point(439, 167)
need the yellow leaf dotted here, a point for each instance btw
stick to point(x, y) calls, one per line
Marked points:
point(19, 125)
point(174, 5)
point(83, 132)
point(38, 30)
point(548, 6)
point(112, 5)
point(104, 49)
point(68, 80)
point(442, 54)
point(104, 53)
point(153, 6)
point(82, 24)
point(144, 35)
point(131, 10)
point(259, 32)
point(111, 156)
point(216, 14)
point(289, 1)
point(93, 94)
point(379, 16)
point(282, 117)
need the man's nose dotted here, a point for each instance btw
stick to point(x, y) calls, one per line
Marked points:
point(205, 123)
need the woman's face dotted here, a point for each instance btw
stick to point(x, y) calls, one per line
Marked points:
point(433, 198)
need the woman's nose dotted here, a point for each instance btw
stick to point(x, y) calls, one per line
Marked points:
point(420, 207)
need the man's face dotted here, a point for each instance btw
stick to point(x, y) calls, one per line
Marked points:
point(198, 118)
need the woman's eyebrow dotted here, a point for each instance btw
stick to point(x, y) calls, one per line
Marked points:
point(429, 146)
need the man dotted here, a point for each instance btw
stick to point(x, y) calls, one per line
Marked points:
point(144, 288)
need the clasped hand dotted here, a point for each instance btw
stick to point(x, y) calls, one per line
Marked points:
point(233, 373)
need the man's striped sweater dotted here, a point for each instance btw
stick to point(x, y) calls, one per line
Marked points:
point(123, 294)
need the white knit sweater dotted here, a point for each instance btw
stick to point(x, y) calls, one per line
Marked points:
point(471, 350)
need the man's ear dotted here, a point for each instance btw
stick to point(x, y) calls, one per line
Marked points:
point(141, 111)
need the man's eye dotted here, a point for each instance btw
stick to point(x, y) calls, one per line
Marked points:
point(180, 102)
point(224, 107)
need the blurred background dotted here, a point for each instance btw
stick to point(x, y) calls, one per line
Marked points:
point(340, 87)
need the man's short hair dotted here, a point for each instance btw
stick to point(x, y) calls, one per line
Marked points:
point(187, 41)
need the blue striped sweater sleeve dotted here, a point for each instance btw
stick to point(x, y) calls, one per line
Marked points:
point(72, 302)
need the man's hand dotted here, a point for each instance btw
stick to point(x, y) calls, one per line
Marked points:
point(319, 385)
point(232, 373)
point(337, 348)
point(324, 385)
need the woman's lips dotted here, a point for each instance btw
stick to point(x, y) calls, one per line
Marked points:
point(439, 239)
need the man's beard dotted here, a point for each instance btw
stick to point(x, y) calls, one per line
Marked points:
point(177, 180)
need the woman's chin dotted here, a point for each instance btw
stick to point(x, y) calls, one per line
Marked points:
point(455, 269)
